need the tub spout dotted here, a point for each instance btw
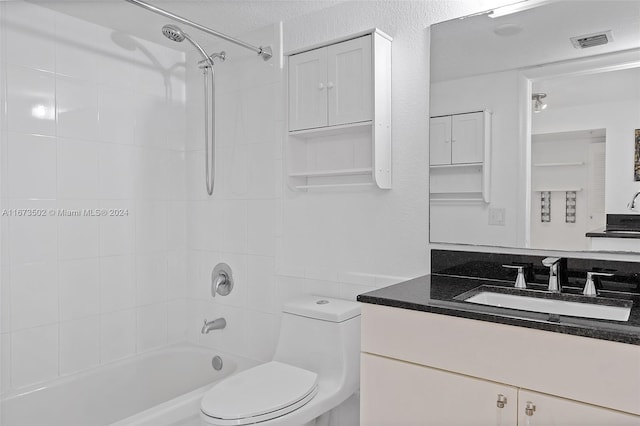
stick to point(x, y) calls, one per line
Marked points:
point(217, 324)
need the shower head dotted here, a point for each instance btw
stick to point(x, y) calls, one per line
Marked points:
point(173, 32)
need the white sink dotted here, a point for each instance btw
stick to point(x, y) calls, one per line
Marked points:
point(551, 306)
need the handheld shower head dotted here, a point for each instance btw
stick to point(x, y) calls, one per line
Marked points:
point(173, 33)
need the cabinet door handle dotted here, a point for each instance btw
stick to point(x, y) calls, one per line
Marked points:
point(321, 86)
point(529, 409)
point(502, 401)
point(330, 85)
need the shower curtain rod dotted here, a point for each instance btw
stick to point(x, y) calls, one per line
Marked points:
point(264, 52)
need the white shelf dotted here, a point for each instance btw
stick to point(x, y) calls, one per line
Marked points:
point(453, 166)
point(578, 163)
point(557, 189)
point(330, 130)
point(341, 172)
point(335, 185)
point(461, 197)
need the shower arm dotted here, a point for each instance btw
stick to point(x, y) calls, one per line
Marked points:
point(265, 52)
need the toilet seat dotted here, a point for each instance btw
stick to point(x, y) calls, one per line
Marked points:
point(259, 394)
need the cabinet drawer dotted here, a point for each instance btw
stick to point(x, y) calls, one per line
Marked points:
point(593, 371)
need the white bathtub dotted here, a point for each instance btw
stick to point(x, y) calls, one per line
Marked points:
point(157, 388)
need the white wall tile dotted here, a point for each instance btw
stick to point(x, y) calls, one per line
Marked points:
point(152, 326)
point(151, 226)
point(234, 228)
point(78, 236)
point(262, 172)
point(117, 115)
point(34, 295)
point(78, 166)
point(261, 284)
point(77, 107)
point(32, 166)
point(176, 321)
point(75, 56)
point(152, 118)
point(151, 278)
point(117, 233)
point(5, 362)
point(31, 101)
point(79, 288)
point(262, 335)
point(177, 178)
point(79, 344)
point(176, 274)
point(117, 283)
point(33, 239)
point(260, 111)
point(152, 174)
point(176, 225)
point(261, 223)
point(117, 335)
point(30, 33)
point(117, 170)
point(34, 355)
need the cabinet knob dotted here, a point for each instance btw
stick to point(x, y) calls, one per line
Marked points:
point(529, 408)
point(330, 85)
point(321, 86)
point(502, 401)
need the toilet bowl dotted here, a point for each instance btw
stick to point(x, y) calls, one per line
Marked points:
point(315, 368)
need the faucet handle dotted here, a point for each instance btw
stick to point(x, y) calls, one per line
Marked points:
point(521, 282)
point(590, 288)
point(550, 261)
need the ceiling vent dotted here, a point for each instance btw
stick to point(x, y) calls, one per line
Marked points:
point(591, 40)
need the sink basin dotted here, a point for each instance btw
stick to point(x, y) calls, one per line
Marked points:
point(619, 312)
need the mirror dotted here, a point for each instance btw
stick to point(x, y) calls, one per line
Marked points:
point(534, 108)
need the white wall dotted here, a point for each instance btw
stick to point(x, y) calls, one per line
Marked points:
point(469, 223)
point(620, 119)
point(93, 120)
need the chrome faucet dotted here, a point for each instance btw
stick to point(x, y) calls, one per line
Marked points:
point(557, 270)
point(632, 203)
point(521, 281)
point(216, 324)
point(591, 285)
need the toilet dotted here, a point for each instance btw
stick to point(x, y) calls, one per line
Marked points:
point(315, 368)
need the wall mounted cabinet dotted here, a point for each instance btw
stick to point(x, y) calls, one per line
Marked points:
point(459, 157)
point(339, 121)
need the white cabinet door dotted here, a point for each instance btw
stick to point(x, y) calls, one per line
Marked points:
point(349, 83)
point(403, 394)
point(308, 90)
point(553, 411)
point(467, 138)
point(440, 140)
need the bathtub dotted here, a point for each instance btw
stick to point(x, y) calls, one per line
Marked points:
point(157, 388)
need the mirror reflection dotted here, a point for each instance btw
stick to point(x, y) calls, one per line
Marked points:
point(532, 132)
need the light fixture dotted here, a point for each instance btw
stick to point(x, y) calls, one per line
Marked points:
point(538, 104)
point(518, 7)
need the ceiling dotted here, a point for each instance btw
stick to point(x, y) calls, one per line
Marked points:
point(231, 17)
point(471, 46)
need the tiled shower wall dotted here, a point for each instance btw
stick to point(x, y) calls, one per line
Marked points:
point(237, 225)
point(91, 119)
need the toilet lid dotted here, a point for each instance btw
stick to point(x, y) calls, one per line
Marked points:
point(266, 391)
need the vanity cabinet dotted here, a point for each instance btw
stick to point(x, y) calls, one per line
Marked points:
point(421, 368)
point(339, 121)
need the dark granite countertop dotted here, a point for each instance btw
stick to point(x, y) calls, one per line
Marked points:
point(437, 294)
point(617, 233)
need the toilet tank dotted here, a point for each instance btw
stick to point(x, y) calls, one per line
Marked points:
point(322, 334)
